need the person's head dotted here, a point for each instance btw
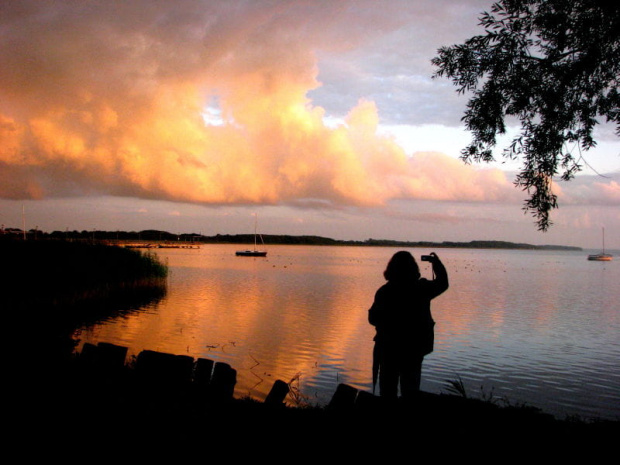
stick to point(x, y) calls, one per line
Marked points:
point(402, 266)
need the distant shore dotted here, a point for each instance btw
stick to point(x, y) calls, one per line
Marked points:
point(156, 236)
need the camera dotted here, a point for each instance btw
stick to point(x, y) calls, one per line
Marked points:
point(426, 258)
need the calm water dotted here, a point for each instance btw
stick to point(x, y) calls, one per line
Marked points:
point(540, 328)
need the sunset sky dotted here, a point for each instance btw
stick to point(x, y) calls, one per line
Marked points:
point(319, 116)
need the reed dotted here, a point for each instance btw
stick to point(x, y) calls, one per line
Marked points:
point(54, 274)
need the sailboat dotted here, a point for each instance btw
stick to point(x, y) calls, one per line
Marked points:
point(255, 252)
point(601, 257)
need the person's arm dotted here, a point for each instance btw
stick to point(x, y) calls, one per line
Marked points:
point(374, 314)
point(440, 283)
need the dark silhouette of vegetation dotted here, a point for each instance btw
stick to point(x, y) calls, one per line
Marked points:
point(48, 274)
point(120, 397)
point(50, 288)
point(553, 67)
point(155, 237)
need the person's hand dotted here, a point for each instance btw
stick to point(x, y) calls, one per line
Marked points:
point(434, 258)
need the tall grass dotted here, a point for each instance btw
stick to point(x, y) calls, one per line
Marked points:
point(52, 274)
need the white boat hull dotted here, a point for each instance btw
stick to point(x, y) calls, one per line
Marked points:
point(601, 257)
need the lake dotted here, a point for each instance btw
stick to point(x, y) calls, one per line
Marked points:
point(539, 328)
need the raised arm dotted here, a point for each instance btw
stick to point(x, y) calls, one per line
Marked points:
point(440, 283)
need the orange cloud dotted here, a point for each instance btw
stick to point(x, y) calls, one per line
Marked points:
point(110, 99)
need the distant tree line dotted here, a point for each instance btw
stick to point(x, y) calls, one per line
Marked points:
point(152, 235)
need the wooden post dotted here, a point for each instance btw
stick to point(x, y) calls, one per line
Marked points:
point(344, 397)
point(223, 380)
point(203, 371)
point(163, 368)
point(278, 392)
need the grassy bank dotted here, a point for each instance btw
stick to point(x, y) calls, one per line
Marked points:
point(49, 288)
point(45, 275)
point(184, 411)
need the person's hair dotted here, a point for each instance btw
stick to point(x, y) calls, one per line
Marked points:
point(402, 266)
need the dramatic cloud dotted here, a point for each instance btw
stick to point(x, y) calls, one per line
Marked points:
point(591, 190)
point(203, 102)
point(322, 115)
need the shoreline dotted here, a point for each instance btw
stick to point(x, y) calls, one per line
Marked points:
point(120, 396)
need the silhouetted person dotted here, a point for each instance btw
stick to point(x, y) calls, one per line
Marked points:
point(401, 314)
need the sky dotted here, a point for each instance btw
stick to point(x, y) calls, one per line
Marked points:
point(320, 117)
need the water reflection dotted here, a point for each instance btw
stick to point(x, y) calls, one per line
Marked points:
point(541, 333)
point(282, 317)
point(531, 326)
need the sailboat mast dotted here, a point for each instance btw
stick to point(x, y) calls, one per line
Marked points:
point(256, 252)
point(603, 240)
point(255, 223)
